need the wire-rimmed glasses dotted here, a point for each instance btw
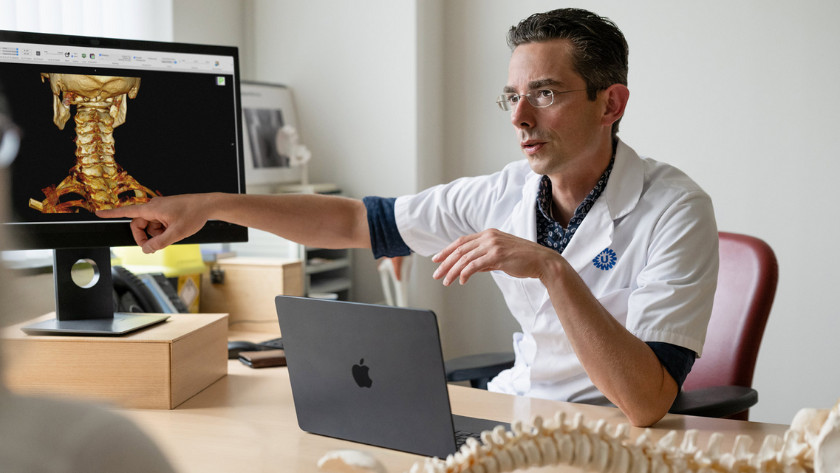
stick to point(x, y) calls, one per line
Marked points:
point(539, 98)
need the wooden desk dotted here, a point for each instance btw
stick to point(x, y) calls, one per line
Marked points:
point(246, 422)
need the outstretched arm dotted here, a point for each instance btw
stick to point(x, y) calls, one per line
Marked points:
point(309, 219)
point(621, 366)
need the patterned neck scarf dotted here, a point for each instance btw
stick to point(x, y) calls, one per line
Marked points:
point(551, 233)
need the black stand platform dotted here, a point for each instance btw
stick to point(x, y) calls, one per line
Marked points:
point(88, 309)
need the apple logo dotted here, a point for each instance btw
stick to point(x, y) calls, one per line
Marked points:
point(360, 374)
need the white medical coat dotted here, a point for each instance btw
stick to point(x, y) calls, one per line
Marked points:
point(647, 249)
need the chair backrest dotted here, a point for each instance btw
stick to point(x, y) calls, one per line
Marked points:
point(746, 287)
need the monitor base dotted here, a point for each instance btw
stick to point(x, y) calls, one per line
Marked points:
point(120, 324)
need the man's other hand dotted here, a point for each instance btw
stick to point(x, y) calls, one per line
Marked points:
point(491, 250)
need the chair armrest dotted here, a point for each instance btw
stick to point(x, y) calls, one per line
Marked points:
point(715, 401)
point(478, 369)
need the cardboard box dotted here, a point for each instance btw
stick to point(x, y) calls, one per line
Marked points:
point(158, 368)
point(248, 289)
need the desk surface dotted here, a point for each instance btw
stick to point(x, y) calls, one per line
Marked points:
point(246, 422)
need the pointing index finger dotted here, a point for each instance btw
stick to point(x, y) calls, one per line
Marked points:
point(129, 211)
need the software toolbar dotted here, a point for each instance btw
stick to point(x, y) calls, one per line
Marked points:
point(23, 53)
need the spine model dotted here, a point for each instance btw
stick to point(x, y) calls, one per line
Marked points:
point(812, 444)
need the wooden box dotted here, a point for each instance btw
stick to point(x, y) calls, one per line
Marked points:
point(159, 367)
point(248, 289)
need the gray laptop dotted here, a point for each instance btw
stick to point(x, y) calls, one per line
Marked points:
point(371, 374)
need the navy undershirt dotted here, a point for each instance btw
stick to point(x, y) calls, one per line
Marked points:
point(385, 240)
point(551, 233)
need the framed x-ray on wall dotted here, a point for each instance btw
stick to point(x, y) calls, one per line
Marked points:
point(268, 112)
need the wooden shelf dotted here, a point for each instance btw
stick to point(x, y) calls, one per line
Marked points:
point(327, 271)
point(314, 267)
point(330, 285)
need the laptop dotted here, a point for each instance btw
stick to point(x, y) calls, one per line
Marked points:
point(371, 374)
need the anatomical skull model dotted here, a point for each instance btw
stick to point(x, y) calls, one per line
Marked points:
point(98, 181)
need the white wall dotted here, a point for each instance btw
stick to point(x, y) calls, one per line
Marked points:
point(740, 95)
point(354, 79)
point(150, 19)
point(220, 22)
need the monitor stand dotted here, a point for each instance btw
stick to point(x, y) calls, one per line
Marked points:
point(88, 309)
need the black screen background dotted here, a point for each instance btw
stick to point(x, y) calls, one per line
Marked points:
point(179, 135)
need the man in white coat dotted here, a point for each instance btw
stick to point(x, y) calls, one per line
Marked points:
point(607, 260)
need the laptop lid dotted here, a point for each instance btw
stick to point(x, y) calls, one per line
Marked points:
point(367, 373)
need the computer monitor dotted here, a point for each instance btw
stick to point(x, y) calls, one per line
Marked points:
point(107, 123)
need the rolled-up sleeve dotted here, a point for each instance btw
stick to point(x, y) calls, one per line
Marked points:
point(385, 239)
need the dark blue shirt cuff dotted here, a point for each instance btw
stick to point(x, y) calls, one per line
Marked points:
point(677, 360)
point(385, 239)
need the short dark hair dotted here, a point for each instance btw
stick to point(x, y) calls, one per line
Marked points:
point(600, 52)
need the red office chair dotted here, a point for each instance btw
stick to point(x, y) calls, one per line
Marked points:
point(720, 383)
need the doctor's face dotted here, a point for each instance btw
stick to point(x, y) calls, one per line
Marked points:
point(569, 132)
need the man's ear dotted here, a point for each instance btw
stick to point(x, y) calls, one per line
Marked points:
point(616, 97)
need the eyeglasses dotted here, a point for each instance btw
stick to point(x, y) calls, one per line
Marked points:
point(539, 98)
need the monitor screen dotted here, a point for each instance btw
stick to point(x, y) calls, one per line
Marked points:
point(107, 123)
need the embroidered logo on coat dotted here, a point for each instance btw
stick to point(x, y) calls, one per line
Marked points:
point(605, 260)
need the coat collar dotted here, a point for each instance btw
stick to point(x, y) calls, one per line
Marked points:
point(626, 183)
point(596, 231)
point(618, 199)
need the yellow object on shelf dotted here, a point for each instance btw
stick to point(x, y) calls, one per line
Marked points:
point(181, 263)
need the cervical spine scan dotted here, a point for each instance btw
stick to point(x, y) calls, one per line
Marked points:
point(96, 182)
